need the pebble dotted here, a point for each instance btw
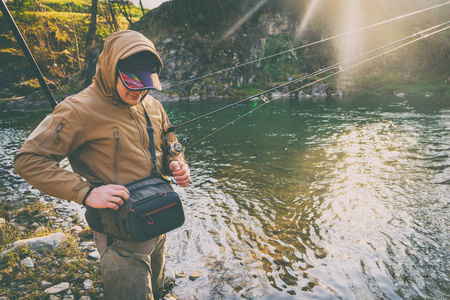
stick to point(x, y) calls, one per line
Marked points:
point(44, 261)
point(196, 275)
point(63, 286)
point(45, 283)
point(88, 284)
point(180, 274)
point(86, 245)
point(71, 260)
point(2, 222)
point(41, 216)
point(170, 297)
point(54, 297)
point(76, 229)
point(94, 255)
point(27, 263)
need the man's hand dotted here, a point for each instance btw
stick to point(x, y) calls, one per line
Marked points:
point(181, 173)
point(107, 196)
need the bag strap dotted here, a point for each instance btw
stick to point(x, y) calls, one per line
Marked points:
point(152, 141)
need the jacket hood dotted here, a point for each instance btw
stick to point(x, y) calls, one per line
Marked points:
point(119, 45)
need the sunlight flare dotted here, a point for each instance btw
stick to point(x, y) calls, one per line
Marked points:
point(304, 23)
point(244, 18)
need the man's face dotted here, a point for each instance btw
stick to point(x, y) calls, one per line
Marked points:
point(128, 96)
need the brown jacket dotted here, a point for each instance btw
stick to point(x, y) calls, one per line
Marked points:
point(105, 140)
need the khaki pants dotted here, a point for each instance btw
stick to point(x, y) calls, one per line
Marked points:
point(132, 270)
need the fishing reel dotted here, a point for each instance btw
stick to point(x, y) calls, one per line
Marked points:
point(175, 149)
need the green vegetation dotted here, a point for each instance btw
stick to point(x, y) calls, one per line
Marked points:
point(216, 35)
point(398, 82)
point(247, 90)
point(55, 31)
point(280, 66)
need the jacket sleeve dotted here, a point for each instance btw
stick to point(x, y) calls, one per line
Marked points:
point(56, 137)
point(171, 139)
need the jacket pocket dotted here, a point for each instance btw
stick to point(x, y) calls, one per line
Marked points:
point(117, 149)
point(54, 136)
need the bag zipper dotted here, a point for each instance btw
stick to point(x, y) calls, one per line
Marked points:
point(136, 204)
point(55, 132)
point(158, 210)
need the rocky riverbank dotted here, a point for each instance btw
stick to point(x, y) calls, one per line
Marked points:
point(48, 252)
point(36, 99)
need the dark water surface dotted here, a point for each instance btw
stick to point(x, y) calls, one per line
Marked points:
point(313, 199)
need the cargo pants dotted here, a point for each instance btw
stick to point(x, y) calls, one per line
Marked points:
point(132, 270)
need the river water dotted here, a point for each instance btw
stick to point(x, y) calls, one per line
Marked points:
point(344, 198)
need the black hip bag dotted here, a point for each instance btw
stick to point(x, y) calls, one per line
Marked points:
point(152, 209)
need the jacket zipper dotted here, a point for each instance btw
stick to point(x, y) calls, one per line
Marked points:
point(55, 132)
point(117, 149)
point(131, 113)
point(142, 133)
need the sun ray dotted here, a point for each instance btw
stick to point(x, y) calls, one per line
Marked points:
point(244, 18)
point(305, 20)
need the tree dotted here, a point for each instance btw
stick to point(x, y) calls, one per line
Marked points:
point(112, 20)
point(90, 35)
point(124, 9)
point(142, 7)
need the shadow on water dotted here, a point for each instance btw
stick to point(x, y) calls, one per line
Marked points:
point(344, 198)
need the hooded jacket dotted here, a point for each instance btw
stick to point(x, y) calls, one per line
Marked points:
point(105, 139)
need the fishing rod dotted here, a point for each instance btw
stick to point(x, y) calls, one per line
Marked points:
point(26, 51)
point(337, 65)
point(310, 44)
point(421, 35)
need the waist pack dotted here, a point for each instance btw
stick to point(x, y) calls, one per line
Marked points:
point(152, 209)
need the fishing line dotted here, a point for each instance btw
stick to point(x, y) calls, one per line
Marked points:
point(422, 36)
point(337, 65)
point(308, 45)
point(362, 62)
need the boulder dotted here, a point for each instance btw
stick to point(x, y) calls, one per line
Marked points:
point(51, 241)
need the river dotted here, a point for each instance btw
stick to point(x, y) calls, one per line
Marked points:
point(342, 198)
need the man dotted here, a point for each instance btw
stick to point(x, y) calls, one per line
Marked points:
point(102, 130)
